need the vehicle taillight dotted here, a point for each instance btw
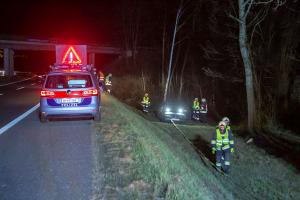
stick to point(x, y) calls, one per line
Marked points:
point(92, 92)
point(47, 93)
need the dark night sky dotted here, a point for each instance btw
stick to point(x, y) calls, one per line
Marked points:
point(82, 22)
point(86, 21)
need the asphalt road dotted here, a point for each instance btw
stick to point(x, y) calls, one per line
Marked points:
point(42, 160)
point(16, 99)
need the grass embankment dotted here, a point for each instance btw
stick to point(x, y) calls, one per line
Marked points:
point(254, 171)
point(136, 159)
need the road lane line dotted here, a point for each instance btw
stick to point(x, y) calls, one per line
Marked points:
point(15, 121)
point(18, 81)
point(33, 84)
point(20, 88)
point(1, 94)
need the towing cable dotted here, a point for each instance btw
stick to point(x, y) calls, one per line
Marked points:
point(204, 159)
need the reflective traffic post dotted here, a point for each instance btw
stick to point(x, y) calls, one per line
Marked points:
point(9, 62)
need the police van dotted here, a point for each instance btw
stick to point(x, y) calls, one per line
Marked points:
point(71, 90)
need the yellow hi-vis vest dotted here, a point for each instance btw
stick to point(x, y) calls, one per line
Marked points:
point(222, 141)
point(146, 99)
point(196, 105)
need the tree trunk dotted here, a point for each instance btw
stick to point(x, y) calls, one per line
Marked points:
point(245, 52)
point(163, 59)
point(144, 81)
point(181, 75)
point(171, 54)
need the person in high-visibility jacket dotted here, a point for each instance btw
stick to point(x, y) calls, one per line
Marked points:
point(101, 76)
point(196, 104)
point(108, 79)
point(203, 110)
point(222, 146)
point(146, 103)
point(101, 80)
point(108, 83)
point(146, 99)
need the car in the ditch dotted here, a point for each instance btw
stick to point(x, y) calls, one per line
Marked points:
point(173, 111)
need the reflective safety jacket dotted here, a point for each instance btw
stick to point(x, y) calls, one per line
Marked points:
point(196, 105)
point(146, 100)
point(101, 76)
point(222, 140)
point(203, 107)
point(108, 80)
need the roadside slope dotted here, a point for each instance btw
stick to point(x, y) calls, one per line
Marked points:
point(136, 159)
point(254, 171)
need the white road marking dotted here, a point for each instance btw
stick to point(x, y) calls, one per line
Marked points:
point(18, 81)
point(32, 83)
point(1, 94)
point(20, 88)
point(15, 121)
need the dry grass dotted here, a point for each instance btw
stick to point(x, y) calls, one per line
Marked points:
point(254, 171)
point(137, 160)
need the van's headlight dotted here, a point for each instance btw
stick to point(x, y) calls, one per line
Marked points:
point(168, 109)
point(180, 110)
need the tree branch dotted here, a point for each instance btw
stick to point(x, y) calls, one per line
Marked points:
point(258, 22)
point(249, 7)
point(215, 74)
point(255, 18)
point(263, 2)
point(180, 41)
point(279, 3)
point(246, 2)
point(235, 18)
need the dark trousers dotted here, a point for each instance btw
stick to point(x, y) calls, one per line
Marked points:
point(203, 117)
point(220, 163)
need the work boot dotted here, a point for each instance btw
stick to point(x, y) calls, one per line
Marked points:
point(226, 170)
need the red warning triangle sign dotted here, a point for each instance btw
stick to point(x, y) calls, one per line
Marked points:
point(71, 57)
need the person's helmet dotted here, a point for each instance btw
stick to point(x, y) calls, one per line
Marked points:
point(203, 100)
point(226, 120)
point(196, 99)
point(221, 123)
point(146, 94)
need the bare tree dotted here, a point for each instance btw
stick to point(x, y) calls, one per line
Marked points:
point(178, 16)
point(143, 81)
point(131, 27)
point(182, 73)
point(244, 7)
point(163, 56)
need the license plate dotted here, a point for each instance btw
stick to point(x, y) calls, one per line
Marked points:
point(69, 104)
point(70, 100)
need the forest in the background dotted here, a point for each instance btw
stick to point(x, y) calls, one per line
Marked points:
point(206, 59)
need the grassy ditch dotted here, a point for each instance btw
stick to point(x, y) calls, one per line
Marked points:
point(254, 171)
point(136, 159)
